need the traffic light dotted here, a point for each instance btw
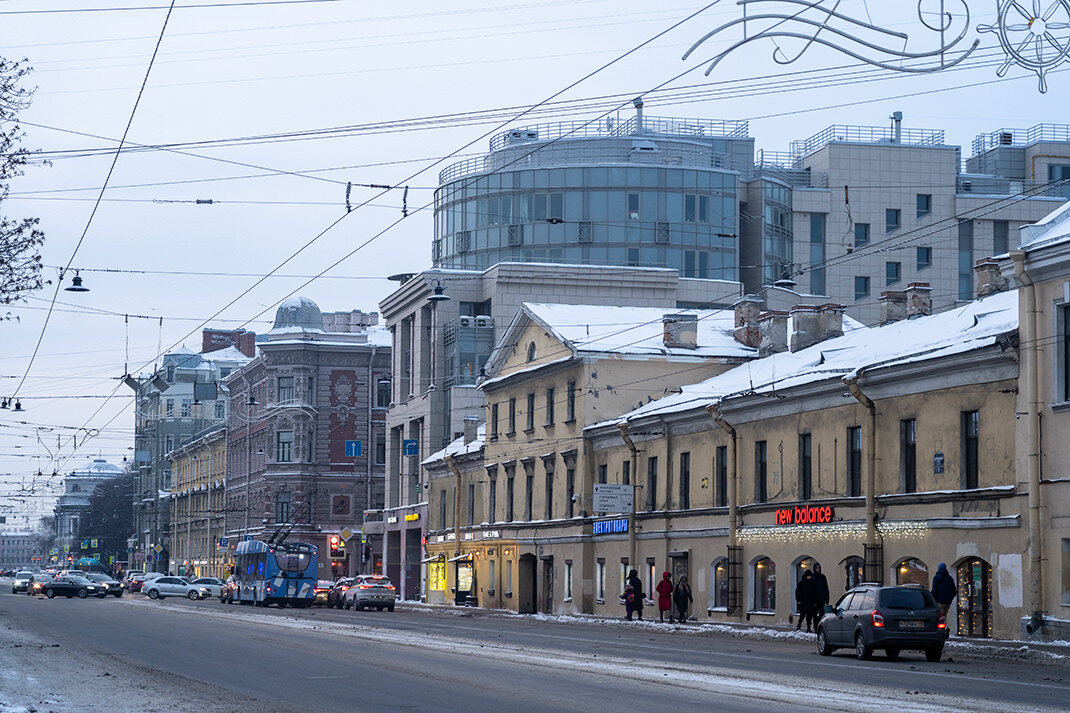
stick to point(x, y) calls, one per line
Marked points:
point(337, 547)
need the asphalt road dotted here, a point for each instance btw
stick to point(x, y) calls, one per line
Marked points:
point(329, 660)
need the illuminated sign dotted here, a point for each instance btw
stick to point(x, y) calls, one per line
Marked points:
point(608, 527)
point(804, 515)
point(411, 517)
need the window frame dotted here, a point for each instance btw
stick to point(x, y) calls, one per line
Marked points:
point(685, 481)
point(928, 204)
point(284, 447)
point(529, 415)
point(893, 219)
point(908, 454)
point(651, 483)
point(806, 465)
point(854, 461)
point(971, 449)
point(761, 471)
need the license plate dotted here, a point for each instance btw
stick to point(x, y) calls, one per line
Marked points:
point(912, 624)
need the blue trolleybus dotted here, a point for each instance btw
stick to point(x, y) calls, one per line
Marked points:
point(282, 574)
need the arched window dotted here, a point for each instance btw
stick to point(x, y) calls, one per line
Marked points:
point(531, 351)
point(853, 568)
point(719, 584)
point(912, 571)
point(764, 572)
point(802, 565)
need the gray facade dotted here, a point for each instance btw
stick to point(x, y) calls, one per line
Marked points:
point(19, 550)
point(78, 486)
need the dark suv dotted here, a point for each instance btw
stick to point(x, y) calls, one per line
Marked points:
point(891, 618)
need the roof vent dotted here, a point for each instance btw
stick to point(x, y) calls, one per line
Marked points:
point(680, 330)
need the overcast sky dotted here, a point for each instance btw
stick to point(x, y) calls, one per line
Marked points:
point(256, 69)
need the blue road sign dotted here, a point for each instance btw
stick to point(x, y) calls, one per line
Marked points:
point(158, 558)
point(223, 541)
point(410, 447)
point(352, 449)
point(247, 538)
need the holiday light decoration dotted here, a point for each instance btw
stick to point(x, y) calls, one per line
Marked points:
point(841, 529)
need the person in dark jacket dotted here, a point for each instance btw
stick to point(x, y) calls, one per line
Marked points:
point(664, 590)
point(821, 589)
point(944, 589)
point(682, 597)
point(638, 595)
point(806, 601)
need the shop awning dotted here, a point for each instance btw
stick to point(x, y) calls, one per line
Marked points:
point(460, 558)
point(436, 558)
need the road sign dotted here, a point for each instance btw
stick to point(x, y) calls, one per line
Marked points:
point(158, 558)
point(247, 538)
point(346, 533)
point(352, 449)
point(223, 542)
point(93, 543)
point(610, 497)
point(85, 544)
point(158, 549)
point(410, 447)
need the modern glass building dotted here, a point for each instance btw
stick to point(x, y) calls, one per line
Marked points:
point(649, 192)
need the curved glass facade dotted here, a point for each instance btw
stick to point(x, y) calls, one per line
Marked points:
point(677, 216)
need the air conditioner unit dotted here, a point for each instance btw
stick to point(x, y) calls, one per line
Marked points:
point(467, 321)
point(484, 322)
point(523, 135)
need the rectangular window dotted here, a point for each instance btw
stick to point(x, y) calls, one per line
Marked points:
point(507, 580)
point(550, 406)
point(170, 407)
point(908, 453)
point(690, 208)
point(652, 483)
point(557, 206)
point(965, 259)
point(925, 204)
point(510, 493)
point(971, 427)
point(602, 474)
point(512, 416)
point(924, 257)
point(570, 491)
point(861, 287)
point(704, 209)
point(286, 389)
point(720, 488)
point(1000, 237)
point(1064, 323)
point(529, 417)
point(568, 580)
point(284, 446)
point(492, 506)
point(442, 509)
point(282, 507)
point(382, 393)
point(169, 443)
point(633, 206)
point(471, 504)
point(529, 495)
point(892, 219)
point(494, 421)
point(380, 448)
point(186, 408)
point(626, 473)
point(893, 272)
point(806, 479)
point(861, 234)
point(761, 474)
point(817, 253)
point(549, 495)
point(854, 461)
point(633, 257)
point(600, 580)
point(570, 402)
point(685, 481)
point(219, 413)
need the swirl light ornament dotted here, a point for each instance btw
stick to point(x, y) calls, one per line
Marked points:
point(1036, 37)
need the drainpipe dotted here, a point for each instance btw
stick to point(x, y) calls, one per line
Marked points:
point(733, 507)
point(1031, 354)
point(635, 479)
point(456, 505)
point(871, 457)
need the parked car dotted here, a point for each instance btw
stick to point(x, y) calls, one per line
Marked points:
point(163, 587)
point(137, 582)
point(323, 586)
point(67, 585)
point(20, 582)
point(336, 594)
point(370, 590)
point(872, 617)
point(214, 585)
point(226, 592)
point(114, 587)
point(37, 583)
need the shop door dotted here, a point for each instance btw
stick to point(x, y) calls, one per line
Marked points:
point(464, 582)
point(975, 598)
point(525, 584)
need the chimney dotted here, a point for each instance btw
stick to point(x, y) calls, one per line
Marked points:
point(893, 306)
point(638, 104)
point(680, 330)
point(806, 327)
point(216, 339)
point(747, 309)
point(831, 321)
point(471, 428)
point(919, 299)
point(772, 333)
point(990, 279)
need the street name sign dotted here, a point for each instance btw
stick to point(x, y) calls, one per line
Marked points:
point(610, 497)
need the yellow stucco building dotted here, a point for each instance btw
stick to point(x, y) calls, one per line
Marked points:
point(198, 477)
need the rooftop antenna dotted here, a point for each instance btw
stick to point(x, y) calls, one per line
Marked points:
point(897, 127)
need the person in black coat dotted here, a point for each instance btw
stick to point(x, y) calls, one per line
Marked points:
point(636, 584)
point(821, 589)
point(806, 601)
point(681, 596)
point(944, 589)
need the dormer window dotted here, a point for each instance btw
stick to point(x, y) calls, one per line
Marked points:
point(531, 351)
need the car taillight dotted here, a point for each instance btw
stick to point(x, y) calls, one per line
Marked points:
point(942, 624)
point(390, 586)
point(365, 586)
point(877, 619)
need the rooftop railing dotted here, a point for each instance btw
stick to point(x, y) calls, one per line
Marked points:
point(1021, 137)
point(610, 127)
point(842, 133)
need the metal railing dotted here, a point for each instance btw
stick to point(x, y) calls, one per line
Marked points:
point(1020, 137)
point(843, 133)
point(610, 127)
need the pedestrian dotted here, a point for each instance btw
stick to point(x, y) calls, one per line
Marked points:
point(637, 592)
point(821, 588)
point(944, 589)
point(682, 596)
point(805, 599)
point(664, 590)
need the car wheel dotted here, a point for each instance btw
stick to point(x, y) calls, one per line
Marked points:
point(49, 593)
point(153, 594)
point(933, 653)
point(282, 604)
point(862, 649)
point(348, 604)
point(390, 607)
point(823, 647)
point(118, 594)
point(82, 594)
point(892, 652)
point(193, 596)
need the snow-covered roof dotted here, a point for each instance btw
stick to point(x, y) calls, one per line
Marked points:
point(98, 467)
point(1053, 228)
point(379, 336)
point(459, 448)
point(227, 354)
point(972, 326)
